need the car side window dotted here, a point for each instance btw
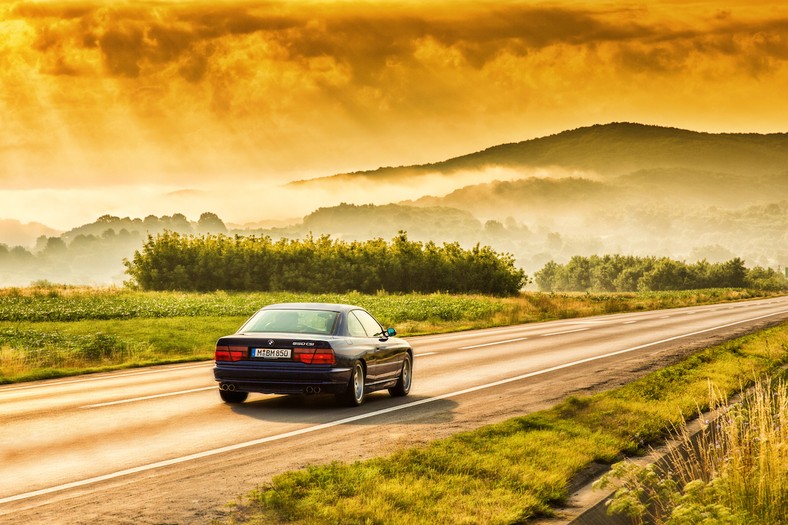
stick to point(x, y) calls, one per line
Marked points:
point(354, 326)
point(371, 326)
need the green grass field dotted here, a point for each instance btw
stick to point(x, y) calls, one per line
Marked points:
point(54, 331)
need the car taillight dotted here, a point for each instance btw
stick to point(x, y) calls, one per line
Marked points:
point(230, 353)
point(314, 356)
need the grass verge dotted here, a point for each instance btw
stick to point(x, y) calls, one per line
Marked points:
point(519, 469)
point(31, 351)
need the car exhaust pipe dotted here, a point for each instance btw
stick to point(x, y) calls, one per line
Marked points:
point(312, 390)
point(227, 387)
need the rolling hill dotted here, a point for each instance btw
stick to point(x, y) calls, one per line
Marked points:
point(612, 150)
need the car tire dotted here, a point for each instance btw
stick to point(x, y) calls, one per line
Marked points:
point(355, 393)
point(233, 397)
point(402, 387)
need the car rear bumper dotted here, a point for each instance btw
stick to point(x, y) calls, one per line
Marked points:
point(281, 378)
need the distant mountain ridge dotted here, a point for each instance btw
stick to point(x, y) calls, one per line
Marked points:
point(612, 150)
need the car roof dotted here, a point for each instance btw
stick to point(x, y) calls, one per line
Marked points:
point(312, 306)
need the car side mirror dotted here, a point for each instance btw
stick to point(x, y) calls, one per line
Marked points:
point(391, 332)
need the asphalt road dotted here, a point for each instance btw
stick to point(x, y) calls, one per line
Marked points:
point(157, 445)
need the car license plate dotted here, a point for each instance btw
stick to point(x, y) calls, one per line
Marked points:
point(272, 353)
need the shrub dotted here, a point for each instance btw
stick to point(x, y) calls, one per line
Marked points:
point(172, 261)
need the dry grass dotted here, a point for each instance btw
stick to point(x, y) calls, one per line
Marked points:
point(735, 471)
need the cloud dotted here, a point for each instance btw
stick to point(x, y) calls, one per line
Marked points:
point(134, 41)
point(192, 91)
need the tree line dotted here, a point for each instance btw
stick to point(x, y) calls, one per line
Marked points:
point(172, 261)
point(621, 273)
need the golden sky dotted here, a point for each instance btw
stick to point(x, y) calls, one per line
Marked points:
point(120, 106)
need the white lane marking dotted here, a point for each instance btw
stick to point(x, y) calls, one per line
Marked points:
point(665, 317)
point(629, 322)
point(500, 330)
point(113, 376)
point(495, 343)
point(155, 396)
point(565, 332)
point(425, 354)
point(359, 417)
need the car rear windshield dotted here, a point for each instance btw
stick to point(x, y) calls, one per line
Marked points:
point(292, 321)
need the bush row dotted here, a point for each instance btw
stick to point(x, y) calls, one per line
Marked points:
point(171, 261)
point(619, 273)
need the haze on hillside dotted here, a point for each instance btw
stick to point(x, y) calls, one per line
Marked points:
point(617, 188)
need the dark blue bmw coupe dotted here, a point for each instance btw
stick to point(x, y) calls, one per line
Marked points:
point(313, 348)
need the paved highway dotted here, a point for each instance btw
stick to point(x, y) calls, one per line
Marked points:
point(157, 445)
